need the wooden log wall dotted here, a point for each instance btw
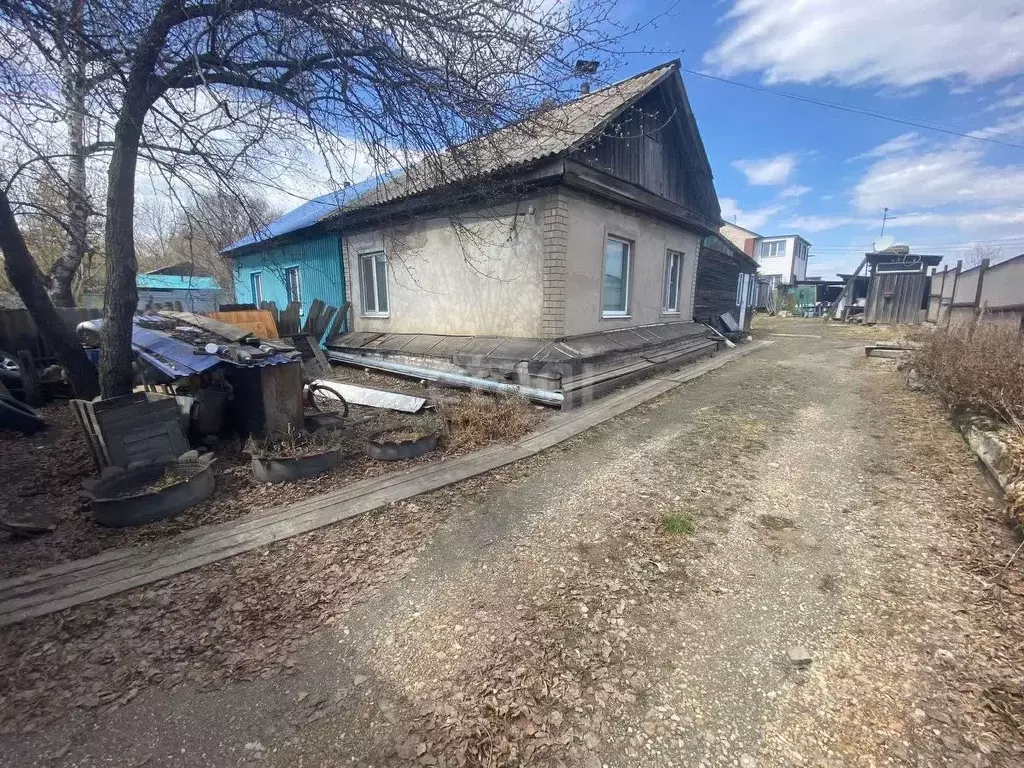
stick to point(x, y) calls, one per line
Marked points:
point(717, 277)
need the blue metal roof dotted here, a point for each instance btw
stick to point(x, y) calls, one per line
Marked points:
point(176, 283)
point(177, 358)
point(309, 213)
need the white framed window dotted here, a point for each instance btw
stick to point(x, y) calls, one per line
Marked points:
point(673, 277)
point(741, 288)
point(293, 284)
point(618, 264)
point(373, 284)
point(771, 249)
point(256, 281)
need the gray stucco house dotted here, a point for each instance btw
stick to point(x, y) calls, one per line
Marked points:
point(559, 252)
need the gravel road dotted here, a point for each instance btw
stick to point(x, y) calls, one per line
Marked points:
point(632, 598)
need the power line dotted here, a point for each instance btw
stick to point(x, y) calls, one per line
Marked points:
point(852, 110)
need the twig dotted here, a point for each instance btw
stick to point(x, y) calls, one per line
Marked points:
point(1014, 555)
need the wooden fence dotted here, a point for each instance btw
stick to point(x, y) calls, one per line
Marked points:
point(17, 331)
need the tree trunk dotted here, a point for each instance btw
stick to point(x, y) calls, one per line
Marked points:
point(24, 274)
point(62, 273)
point(121, 298)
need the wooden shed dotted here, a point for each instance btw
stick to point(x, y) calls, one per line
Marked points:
point(897, 285)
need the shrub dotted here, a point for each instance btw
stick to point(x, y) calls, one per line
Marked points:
point(977, 367)
point(476, 420)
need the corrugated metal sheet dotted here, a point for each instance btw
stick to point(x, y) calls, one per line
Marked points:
point(176, 282)
point(307, 213)
point(320, 269)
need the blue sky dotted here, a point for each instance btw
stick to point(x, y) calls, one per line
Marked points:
point(784, 167)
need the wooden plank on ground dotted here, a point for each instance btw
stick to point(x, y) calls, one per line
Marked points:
point(318, 355)
point(70, 584)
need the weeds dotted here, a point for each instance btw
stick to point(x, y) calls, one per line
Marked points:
point(977, 367)
point(679, 523)
point(478, 420)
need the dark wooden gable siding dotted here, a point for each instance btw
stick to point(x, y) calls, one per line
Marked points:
point(647, 146)
point(717, 278)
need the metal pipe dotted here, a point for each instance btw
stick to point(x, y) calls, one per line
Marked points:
point(455, 379)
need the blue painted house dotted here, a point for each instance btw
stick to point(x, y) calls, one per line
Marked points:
point(289, 260)
point(180, 284)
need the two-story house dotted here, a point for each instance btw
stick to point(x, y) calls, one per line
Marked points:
point(782, 259)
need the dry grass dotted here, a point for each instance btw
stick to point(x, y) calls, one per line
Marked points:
point(478, 420)
point(977, 368)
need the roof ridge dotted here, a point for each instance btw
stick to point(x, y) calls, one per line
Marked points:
point(673, 63)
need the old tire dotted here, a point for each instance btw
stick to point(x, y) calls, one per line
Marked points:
point(19, 417)
point(280, 470)
point(114, 511)
point(386, 450)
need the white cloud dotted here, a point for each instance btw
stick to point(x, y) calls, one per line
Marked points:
point(794, 191)
point(753, 220)
point(872, 41)
point(1015, 101)
point(951, 176)
point(769, 171)
point(902, 143)
point(1007, 128)
point(816, 223)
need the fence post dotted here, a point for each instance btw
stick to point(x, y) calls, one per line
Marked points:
point(982, 269)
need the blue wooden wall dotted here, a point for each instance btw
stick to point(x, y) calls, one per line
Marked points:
point(320, 266)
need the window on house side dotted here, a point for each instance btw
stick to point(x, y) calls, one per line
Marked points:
point(256, 278)
point(615, 291)
point(373, 283)
point(293, 284)
point(772, 248)
point(673, 271)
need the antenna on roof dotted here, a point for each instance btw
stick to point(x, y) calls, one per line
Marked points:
point(585, 68)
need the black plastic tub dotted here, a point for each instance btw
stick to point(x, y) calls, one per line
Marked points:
point(115, 502)
point(276, 470)
point(390, 450)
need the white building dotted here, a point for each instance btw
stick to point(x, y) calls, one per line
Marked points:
point(782, 257)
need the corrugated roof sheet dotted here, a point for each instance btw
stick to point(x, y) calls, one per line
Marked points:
point(307, 214)
point(176, 283)
point(552, 132)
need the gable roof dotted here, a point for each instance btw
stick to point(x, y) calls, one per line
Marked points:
point(550, 133)
point(554, 131)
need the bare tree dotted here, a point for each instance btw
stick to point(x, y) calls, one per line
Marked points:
point(220, 92)
point(979, 252)
point(31, 286)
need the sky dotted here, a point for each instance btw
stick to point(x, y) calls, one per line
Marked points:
point(787, 166)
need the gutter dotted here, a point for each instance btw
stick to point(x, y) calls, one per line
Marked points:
point(546, 396)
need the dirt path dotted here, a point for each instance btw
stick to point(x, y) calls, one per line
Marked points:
point(625, 599)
